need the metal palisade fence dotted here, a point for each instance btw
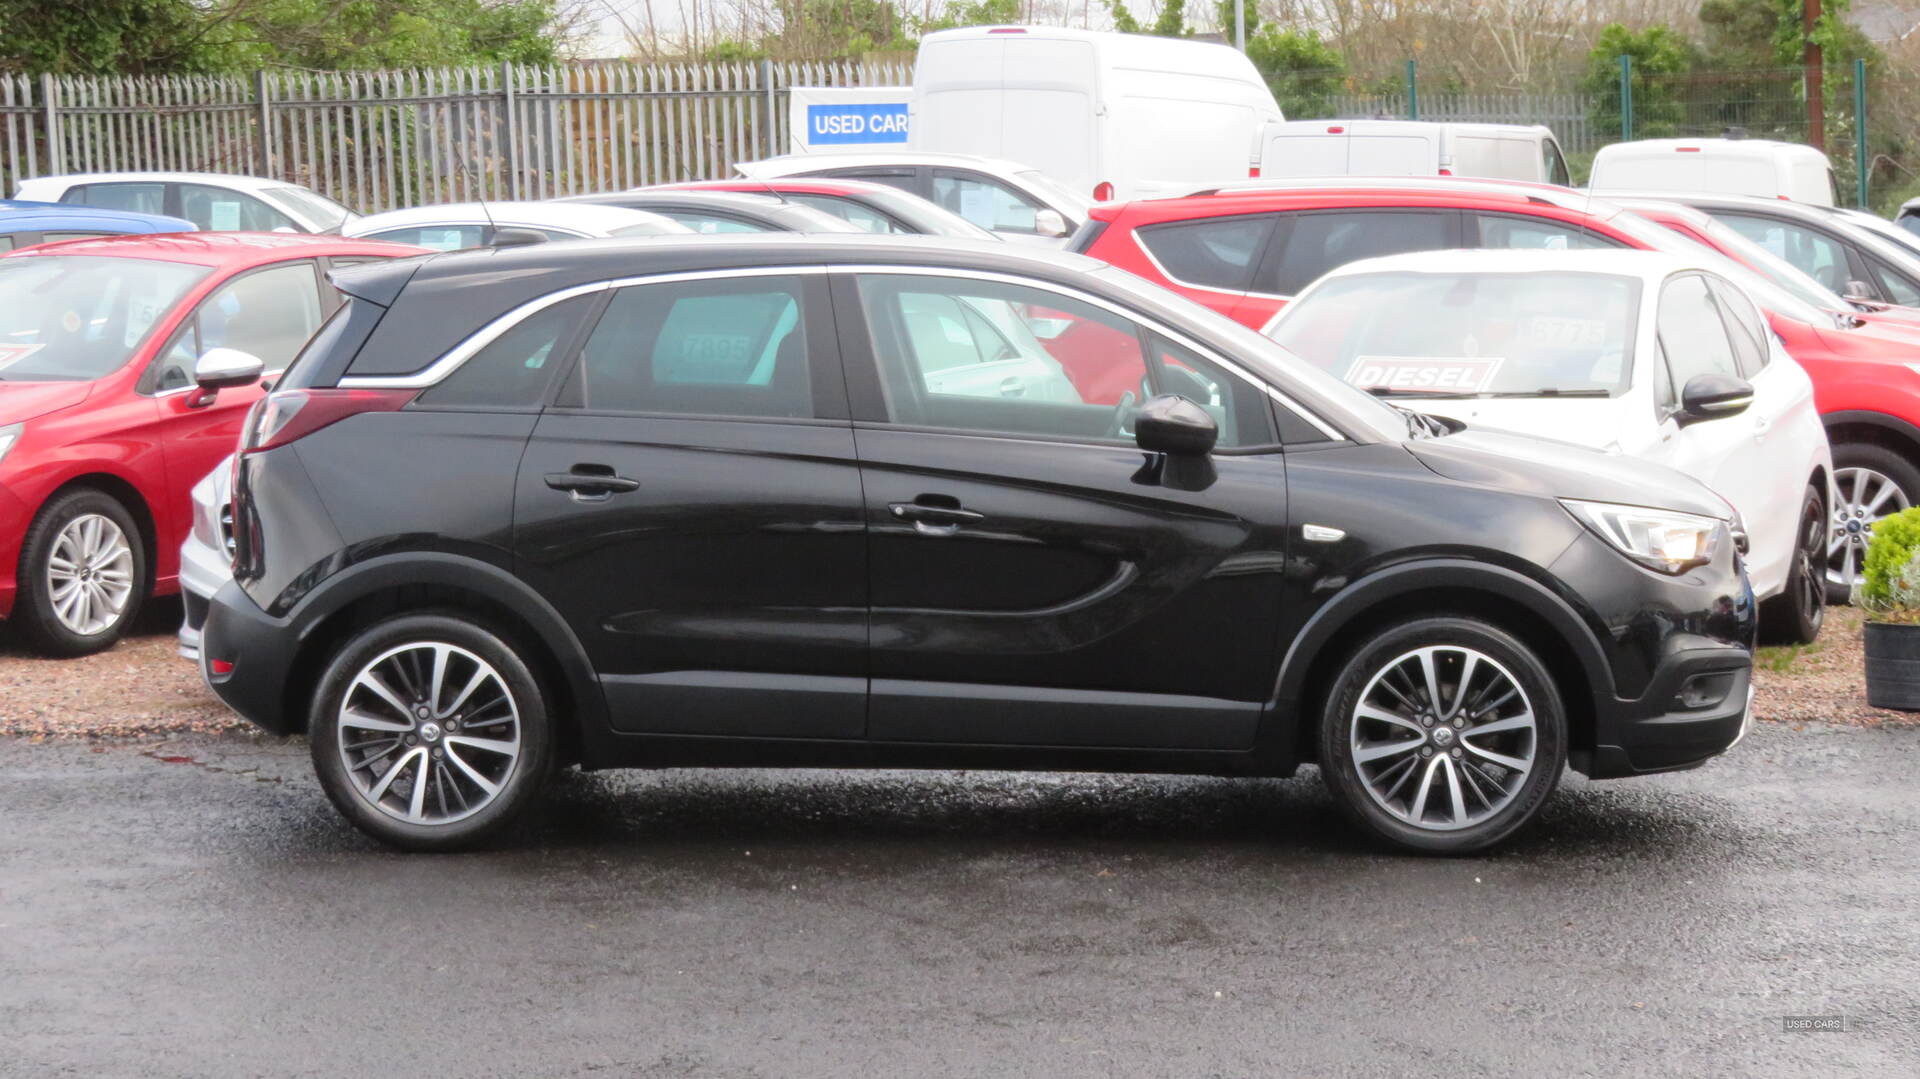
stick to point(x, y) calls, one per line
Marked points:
point(377, 140)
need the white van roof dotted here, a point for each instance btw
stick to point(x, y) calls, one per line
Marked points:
point(1753, 149)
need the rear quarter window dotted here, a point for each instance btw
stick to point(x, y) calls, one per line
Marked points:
point(1215, 253)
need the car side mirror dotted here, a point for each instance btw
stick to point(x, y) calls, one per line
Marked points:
point(1173, 425)
point(220, 368)
point(1860, 291)
point(1713, 397)
point(1049, 223)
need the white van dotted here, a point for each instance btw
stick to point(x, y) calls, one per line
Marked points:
point(1411, 148)
point(1785, 170)
point(1116, 116)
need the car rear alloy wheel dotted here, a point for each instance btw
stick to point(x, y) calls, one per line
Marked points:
point(1443, 734)
point(1868, 490)
point(430, 731)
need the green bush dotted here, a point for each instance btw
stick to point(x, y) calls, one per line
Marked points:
point(1884, 586)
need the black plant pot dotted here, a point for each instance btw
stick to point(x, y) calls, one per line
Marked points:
point(1893, 666)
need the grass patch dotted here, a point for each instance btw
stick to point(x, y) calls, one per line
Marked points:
point(1780, 658)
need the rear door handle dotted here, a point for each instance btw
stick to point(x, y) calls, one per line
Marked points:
point(591, 486)
point(933, 519)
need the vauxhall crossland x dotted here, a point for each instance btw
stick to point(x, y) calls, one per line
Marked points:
point(833, 502)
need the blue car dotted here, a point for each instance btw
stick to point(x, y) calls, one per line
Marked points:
point(23, 224)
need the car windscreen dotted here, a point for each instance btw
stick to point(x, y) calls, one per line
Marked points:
point(1468, 334)
point(1774, 298)
point(316, 209)
point(1060, 195)
point(79, 317)
point(929, 218)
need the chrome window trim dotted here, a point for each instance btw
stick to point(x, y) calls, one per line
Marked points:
point(1131, 316)
point(437, 371)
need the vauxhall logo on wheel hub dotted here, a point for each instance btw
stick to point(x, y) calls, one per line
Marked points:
point(1443, 736)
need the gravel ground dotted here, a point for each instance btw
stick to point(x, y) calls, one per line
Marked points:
point(142, 687)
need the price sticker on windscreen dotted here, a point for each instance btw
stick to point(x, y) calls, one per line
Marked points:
point(1465, 374)
point(12, 354)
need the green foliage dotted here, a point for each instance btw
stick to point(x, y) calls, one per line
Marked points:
point(1890, 576)
point(1123, 20)
point(1172, 21)
point(1303, 71)
point(973, 13)
point(1657, 51)
point(837, 29)
point(151, 36)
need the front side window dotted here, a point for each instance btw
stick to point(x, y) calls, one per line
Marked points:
point(1501, 232)
point(721, 347)
point(139, 198)
point(1810, 252)
point(1896, 286)
point(1214, 253)
point(312, 205)
point(1748, 334)
point(268, 313)
point(1467, 334)
point(512, 371)
point(985, 203)
point(79, 317)
point(710, 224)
point(1556, 166)
point(1002, 358)
point(216, 209)
point(1692, 337)
point(1319, 242)
point(6, 242)
point(903, 179)
point(853, 212)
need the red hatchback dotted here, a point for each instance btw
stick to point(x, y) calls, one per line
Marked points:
point(103, 428)
point(1246, 249)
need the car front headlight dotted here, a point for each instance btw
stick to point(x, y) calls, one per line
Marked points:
point(1666, 541)
point(9, 435)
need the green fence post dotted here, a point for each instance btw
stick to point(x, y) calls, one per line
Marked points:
point(1413, 90)
point(1626, 98)
point(1860, 129)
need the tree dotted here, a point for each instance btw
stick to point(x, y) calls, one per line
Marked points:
point(1172, 21)
point(1123, 20)
point(1659, 53)
point(101, 36)
point(1303, 71)
point(960, 13)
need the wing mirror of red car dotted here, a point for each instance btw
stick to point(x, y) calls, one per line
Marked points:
point(222, 368)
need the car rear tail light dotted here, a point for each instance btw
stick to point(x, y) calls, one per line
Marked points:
point(1446, 172)
point(1008, 30)
point(1253, 172)
point(1686, 149)
point(280, 418)
point(1336, 130)
point(220, 666)
point(1103, 192)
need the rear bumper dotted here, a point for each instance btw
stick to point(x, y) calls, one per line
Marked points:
point(1661, 732)
point(203, 572)
point(256, 653)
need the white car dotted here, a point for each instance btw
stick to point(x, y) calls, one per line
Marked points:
point(206, 555)
point(455, 226)
point(1634, 352)
point(213, 201)
point(1014, 200)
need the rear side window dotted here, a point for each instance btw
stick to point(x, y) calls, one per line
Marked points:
point(434, 237)
point(852, 212)
point(722, 347)
point(708, 224)
point(140, 198)
point(513, 371)
point(1320, 242)
point(6, 243)
point(1213, 253)
point(1501, 232)
point(216, 209)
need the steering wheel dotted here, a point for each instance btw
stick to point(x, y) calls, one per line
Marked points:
point(1117, 426)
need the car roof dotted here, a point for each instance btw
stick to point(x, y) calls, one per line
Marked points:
point(18, 213)
point(585, 216)
point(222, 179)
point(220, 249)
point(789, 164)
point(1617, 262)
point(1253, 195)
point(818, 185)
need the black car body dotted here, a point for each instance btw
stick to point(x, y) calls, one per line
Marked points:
point(821, 568)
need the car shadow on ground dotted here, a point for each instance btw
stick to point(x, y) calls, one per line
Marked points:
point(159, 617)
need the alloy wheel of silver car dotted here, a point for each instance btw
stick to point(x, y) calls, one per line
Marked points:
point(1443, 737)
point(1866, 495)
point(90, 574)
point(429, 733)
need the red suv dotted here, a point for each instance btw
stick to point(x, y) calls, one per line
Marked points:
point(1246, 249)
point(126, 365)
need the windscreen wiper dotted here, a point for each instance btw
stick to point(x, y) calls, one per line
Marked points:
point(1550, 391)
point(1390, 392)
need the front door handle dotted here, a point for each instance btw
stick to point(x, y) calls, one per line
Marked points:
point(934, 518)
point(587, 483)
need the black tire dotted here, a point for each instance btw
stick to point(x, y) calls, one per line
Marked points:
point(1889, 463)
point(34, 615)
point(518, 784)
point(1795, 615)
point(1530, 788)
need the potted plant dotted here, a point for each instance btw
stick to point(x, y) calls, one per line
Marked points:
point(1889, 592)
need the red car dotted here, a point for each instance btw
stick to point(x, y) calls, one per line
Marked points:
point(1246, 249)
point(103, 427)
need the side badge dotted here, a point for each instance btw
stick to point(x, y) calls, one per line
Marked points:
point(1321, 534)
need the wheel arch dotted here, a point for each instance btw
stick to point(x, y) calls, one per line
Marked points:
point(363, 594)
point(125, 492)
point(1874, 428)
point(1505, 598)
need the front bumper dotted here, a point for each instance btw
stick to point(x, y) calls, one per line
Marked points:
point(1661, 733)
point(255, 652)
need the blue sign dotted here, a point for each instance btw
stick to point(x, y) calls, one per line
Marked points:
point(856, 123)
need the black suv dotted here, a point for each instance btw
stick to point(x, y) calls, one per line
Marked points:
point(868, 502)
